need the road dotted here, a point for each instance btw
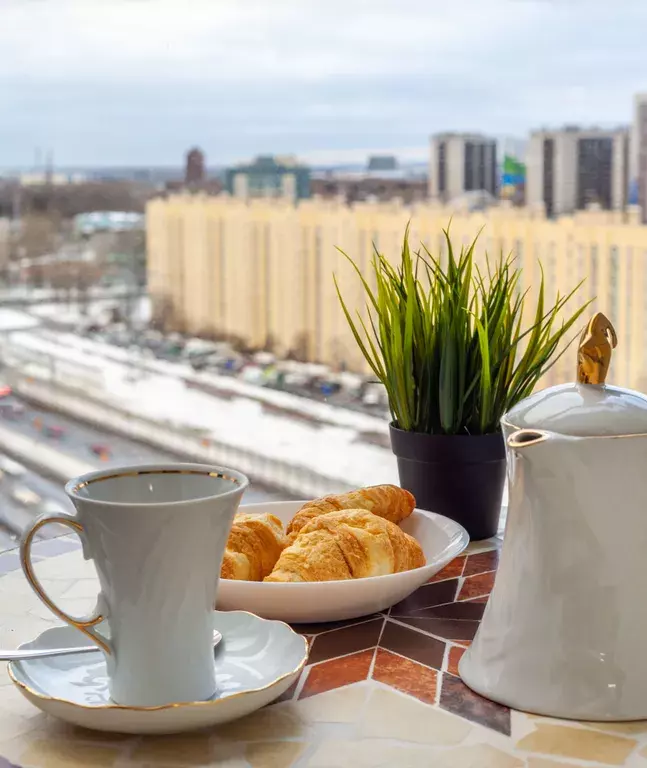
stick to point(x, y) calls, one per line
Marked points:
point(14, 516)
point(75, 441)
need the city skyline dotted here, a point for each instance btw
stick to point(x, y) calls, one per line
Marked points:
point(134, 82)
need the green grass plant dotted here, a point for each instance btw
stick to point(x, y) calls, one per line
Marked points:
point(448, 341)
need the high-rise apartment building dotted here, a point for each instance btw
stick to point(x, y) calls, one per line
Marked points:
point(194, 170)
point(639, 151)
point(570, 169)
point(460, 163)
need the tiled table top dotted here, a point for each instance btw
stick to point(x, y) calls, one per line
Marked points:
point(378, 691)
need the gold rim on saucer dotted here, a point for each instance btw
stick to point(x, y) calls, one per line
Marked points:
point(177, 705)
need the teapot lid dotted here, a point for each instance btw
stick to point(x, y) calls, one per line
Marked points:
point(587, 407)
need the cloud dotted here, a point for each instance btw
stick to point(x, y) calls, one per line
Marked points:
point(137, 81)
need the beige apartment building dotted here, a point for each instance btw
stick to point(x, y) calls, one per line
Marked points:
point(263, 270)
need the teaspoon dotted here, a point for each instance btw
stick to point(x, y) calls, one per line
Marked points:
point(22, 654)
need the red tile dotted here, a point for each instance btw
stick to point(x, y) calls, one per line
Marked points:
point(457, 698)
point(341, 642)
point(427, 596)
point(413, 645)
point(317, 629)
point(481, 562)
point(448, 629)
point(406, 676)
point(451, 571)
point(454, 656)
point(466, 609)
point(477, 586)
point(337, 673)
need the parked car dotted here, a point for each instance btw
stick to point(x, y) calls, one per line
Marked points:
point(374, 394)
point(100, 449)
point(233, 364)
point(170, 350)
point(328, 388)
point(12, 411)
point(197, 348)
point(54, 431)
point(253, 374)
point(5, 390)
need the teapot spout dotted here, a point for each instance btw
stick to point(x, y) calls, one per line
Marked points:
point(526, 438)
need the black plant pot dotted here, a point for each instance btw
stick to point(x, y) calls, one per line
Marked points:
point(459, 476)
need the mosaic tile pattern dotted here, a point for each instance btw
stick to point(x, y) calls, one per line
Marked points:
point(378, 692)
point(415, 646)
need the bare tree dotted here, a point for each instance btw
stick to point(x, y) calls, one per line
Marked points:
point(39, 234)
point(163, 313)
point(299, 350)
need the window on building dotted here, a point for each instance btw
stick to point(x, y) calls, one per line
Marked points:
point(481, 167)
point(267, 271)
point(303, 266)
point(470, 166)
point(364, 254)
point(628, 298)
point(613, 283)
point(594, 172)
point(644, 293)
point(493, 170)
point(222, 275)
point(593, 274)
point(548, 177)
point(442, 168)
point(517, 254)
point(581, 263)
point(551, 272)
point(319, 277)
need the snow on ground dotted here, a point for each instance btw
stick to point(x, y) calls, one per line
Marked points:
point(75, 313)
point(323, 412)
point(70, 314)
point(13, 320)
point(331, 449)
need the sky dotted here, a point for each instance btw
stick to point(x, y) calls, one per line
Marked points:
point(137, 82)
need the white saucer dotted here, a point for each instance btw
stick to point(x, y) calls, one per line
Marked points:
point(441, 540)
point(256, 661)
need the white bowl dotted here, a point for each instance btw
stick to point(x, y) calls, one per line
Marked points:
point(441, 540)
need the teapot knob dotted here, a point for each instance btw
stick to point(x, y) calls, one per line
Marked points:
point(597, 341)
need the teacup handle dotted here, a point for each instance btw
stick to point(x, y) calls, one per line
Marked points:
point(85, 623)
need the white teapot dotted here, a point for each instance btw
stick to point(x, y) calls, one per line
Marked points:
point(565, 629)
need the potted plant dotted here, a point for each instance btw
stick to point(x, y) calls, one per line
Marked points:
point(450, 346)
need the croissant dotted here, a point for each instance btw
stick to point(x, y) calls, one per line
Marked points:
point(254, 545)
point(350, 544)
point(387, 501)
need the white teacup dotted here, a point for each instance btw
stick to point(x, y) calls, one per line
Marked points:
point(157, 534)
